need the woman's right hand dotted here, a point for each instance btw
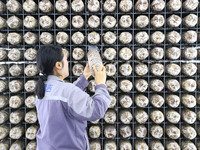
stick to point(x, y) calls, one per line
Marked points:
point(100, 75)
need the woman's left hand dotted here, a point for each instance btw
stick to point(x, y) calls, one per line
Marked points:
point(86, 71)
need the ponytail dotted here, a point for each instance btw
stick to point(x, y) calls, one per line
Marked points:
point(46, 58)
point(40, 87)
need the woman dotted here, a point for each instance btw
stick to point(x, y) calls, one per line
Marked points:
point(64, 108)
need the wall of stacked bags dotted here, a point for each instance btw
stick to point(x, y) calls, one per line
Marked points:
point(151, 52)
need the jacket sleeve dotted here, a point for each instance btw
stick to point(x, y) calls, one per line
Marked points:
point(83, 107)
point(81, 82)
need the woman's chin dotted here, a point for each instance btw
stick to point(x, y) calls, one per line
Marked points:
point(66, 76)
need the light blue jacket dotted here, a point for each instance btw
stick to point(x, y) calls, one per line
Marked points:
point(64, 111)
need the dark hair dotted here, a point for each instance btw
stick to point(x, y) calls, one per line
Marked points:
point(46, 58)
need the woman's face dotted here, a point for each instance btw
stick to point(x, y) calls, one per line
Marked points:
point(65, 69)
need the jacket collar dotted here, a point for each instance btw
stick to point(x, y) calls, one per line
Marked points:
point(53, 77)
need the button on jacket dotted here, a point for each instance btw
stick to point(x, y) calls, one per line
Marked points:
point(64, 111)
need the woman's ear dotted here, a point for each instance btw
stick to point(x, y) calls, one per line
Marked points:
point(58, 65)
